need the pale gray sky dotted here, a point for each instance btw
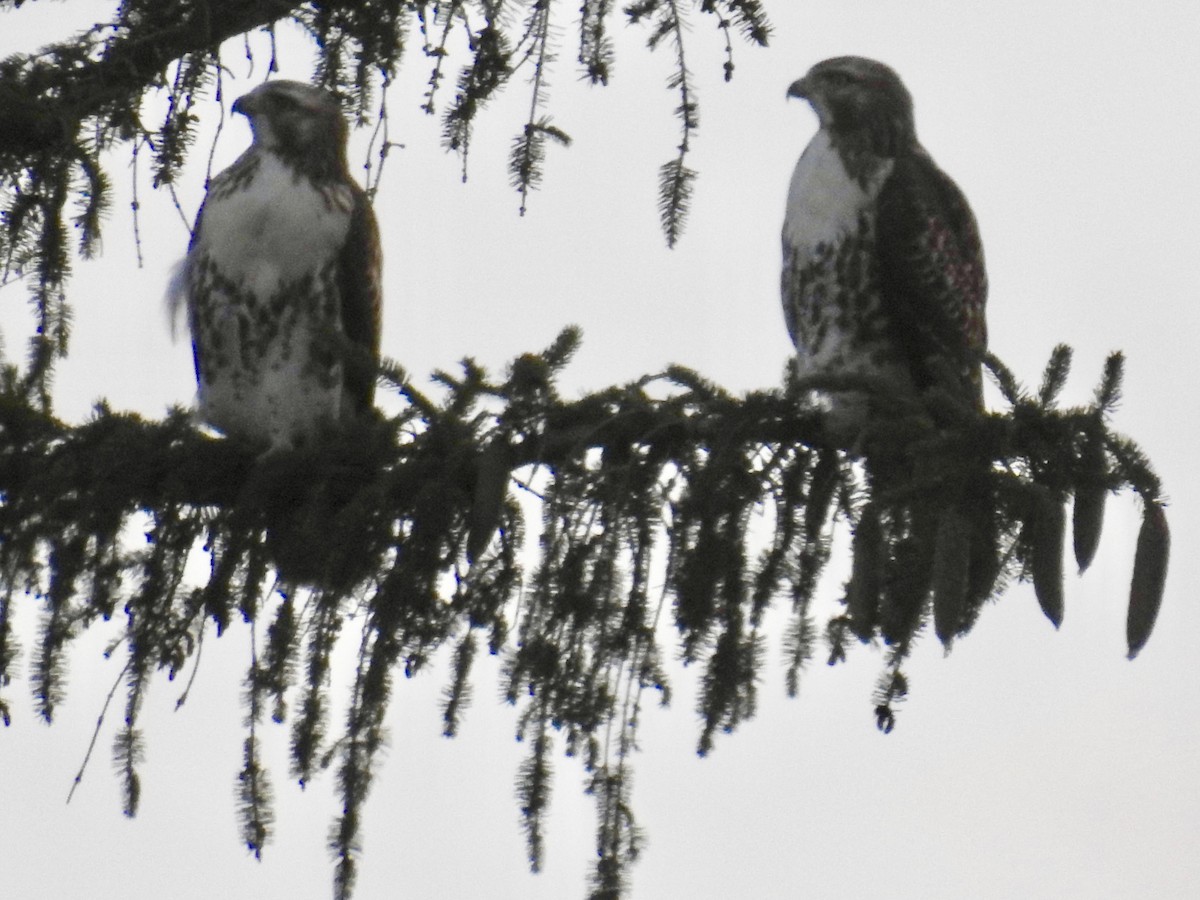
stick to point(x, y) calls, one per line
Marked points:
point(1029, 763)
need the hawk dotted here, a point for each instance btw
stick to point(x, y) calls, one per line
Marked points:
point(282, 277)
point(883, 272)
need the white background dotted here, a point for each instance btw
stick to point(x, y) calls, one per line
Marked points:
point(1029, 763)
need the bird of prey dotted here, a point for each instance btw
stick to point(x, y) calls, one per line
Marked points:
point(282, 277)
point(883, 273)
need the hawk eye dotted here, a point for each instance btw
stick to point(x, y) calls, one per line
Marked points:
point(838, 79)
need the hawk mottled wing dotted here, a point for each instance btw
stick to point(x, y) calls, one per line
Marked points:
point(932, 275)
point(359, 268)
point(282, 278)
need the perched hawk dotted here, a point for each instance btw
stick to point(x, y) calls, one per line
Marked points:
point(282, 278)
point(883, 274)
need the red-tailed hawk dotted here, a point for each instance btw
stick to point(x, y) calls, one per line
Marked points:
point(282, 278)
point(883, 273)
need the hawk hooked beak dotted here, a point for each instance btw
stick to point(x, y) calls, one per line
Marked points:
point(247, 104)
point(250, 105)
point(799, 88)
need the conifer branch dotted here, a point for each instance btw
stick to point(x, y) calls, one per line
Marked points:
point(595, 45)
point(87, 756)
point(254, 787)
point(947, 507)
point(676, 180)
point(529, 147)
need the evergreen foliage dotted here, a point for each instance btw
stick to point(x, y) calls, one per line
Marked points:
point(411, 528)
point(667, 502)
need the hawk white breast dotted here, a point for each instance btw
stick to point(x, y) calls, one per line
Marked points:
point(883, 272)
point(282, 278)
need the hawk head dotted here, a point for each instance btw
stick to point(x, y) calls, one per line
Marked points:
point(295, 120)
point(861, 102)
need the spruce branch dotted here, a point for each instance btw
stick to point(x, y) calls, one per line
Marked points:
point(409, 528)
point(595, 46)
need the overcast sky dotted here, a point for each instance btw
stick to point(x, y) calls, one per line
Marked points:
point(1029, 763)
